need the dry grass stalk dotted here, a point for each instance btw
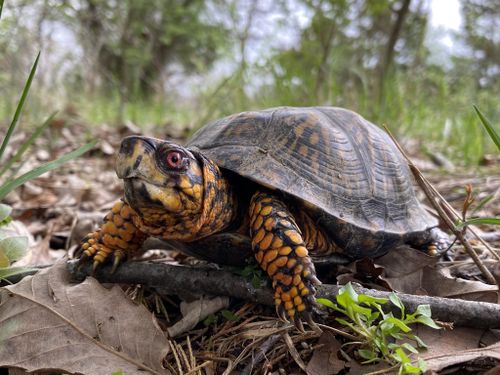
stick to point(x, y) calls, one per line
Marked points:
point(293, 352)
point(198, 368)
point(262, 354)
point(253, 346)
point(337, 331)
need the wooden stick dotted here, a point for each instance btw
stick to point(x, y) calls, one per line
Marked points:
point(181, 280)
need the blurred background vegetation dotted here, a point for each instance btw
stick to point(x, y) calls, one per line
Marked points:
point(170, 65)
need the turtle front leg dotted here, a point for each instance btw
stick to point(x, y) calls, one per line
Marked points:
point(117, 235)
point(280, 250)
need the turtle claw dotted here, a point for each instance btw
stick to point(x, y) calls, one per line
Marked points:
point(281, 313)
point(95, 265)
point(83, 258)
point(315, 280)
point(297, 319)
point(118, 256)
point(297, 322)
point(312, 324)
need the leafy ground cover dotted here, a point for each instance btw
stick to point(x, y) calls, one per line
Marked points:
point(57, 209)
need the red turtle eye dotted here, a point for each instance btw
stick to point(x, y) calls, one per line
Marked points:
point(174, 159)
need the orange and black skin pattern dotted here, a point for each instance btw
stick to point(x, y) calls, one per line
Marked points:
point(169, 193)
point(281, 251)
point(117, 235)
point(177, 194)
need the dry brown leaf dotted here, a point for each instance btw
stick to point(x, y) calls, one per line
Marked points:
point(493, 371)
point(404, 261)
point(48, 323)
point(438, 282)
point(413, 272)
point(356, 368)
point(325, 360)
point(364, 272)
point(196, 311)
point(106, 148)
point(443, 360)
point(440, 341)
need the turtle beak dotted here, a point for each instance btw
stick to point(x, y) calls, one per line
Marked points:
point(136, 157)
point(136, 165)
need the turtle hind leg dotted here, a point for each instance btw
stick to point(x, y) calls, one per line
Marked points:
point(440, 242)
point(435, 244)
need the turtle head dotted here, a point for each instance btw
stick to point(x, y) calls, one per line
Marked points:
point(160, 176)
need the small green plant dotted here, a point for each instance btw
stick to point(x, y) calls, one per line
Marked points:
point(253, 273)
point(10, 183)
point(213, 319)
point(377, 331)
point(13, 247)
point(466, 220)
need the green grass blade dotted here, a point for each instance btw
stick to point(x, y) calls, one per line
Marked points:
point(8, 164)
point(480, 220)
point(489, 128)
point(1, 8)
point(20, 106)
point(12, 184)
point(481, 204)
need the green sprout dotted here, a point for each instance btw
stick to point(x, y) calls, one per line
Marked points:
point(377, 332)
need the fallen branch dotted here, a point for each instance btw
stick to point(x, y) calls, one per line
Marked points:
point(181, 280)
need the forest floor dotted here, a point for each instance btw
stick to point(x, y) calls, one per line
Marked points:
point(58, 209)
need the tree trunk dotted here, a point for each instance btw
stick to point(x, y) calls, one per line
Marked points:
point(388, 55)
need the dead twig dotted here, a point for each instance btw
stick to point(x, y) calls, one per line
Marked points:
point(180, 280)
point(293, 352)
point(338, 332)
point(243, 354)
point(260, 354)
point(197, 368)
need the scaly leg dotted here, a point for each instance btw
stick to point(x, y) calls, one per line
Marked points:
point(280, 250)
point(439, 242)
point(117, 235)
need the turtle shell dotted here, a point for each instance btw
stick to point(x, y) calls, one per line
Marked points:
point(330, 158)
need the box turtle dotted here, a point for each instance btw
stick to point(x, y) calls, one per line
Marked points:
point(289, 184)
